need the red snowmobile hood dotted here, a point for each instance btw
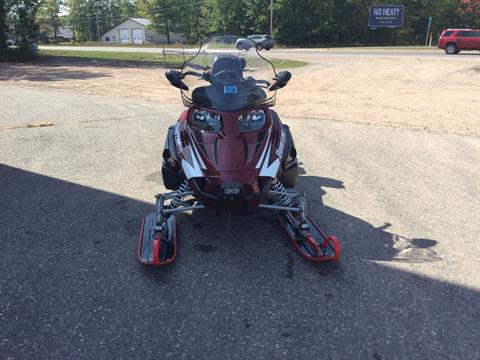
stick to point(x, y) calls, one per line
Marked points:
point(231, 150)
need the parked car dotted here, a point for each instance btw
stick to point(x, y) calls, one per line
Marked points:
point(12, 41)
point(260, 41)
point(455, 40)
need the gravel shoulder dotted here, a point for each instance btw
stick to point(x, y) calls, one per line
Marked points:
point(432, 95)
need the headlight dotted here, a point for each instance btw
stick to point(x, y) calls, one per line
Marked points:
point(207, 121)
point(252, 121)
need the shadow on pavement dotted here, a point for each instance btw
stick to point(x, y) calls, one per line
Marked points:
point(71, 286)
point(48, 71)
point(364, 240)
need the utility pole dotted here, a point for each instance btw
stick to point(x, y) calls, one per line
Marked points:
point(98, 28)
point(271, 17)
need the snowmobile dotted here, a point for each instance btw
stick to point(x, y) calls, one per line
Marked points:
point(229, 151)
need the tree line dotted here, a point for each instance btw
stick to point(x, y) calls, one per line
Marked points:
point(295, 22)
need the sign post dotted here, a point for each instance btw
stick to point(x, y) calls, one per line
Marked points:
point(428, 29)
point(271, 17)
point(386, 16)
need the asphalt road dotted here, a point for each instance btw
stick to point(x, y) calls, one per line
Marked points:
point(310, 54)
point(405, 205)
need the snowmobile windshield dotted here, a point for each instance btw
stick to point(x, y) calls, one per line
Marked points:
point(228, 74)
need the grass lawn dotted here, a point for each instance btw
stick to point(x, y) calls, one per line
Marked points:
point(117, 45)
point(174, 61)
point(169, 61)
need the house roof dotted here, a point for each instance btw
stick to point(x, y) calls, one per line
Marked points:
point(141, 21)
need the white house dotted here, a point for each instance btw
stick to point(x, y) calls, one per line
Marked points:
point(65, 33)
point(135, 31)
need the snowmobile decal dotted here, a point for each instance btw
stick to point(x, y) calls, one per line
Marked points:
point(281, 146)
point(272, 169)
point(193, 170)
point(192, 144)
point(178, 140)
point(267, 145)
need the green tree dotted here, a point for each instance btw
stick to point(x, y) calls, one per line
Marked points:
point(3, 25)
point(22, 17)
point(165, 15)
point(296, 22)
point(48, 17)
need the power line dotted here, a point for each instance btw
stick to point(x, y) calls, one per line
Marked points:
point(181, 6)
point(152, 11)
point(117, 17)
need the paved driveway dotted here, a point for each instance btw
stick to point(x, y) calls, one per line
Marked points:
point(404, 203)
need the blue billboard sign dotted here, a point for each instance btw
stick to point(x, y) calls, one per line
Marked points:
point(390, 16)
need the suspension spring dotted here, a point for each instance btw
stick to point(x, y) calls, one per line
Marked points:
point(181, 191)
point(285, 199)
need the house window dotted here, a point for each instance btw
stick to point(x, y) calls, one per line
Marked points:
point(107, 38)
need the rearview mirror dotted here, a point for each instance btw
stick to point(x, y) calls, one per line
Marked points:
point(175, 78)
point(283, 77)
